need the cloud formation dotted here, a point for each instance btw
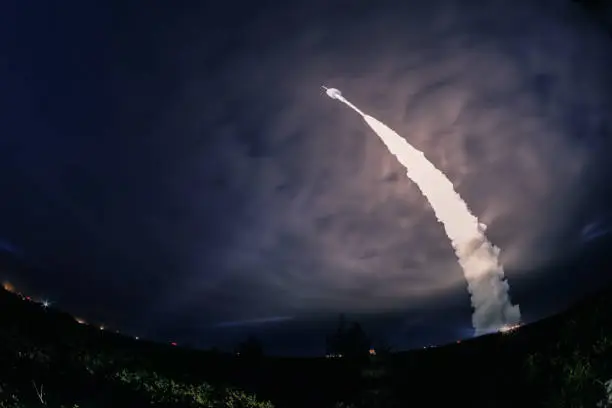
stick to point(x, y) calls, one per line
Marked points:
point(232, 189)
point(503, 99)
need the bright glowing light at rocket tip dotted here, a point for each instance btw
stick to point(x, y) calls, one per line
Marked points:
point(336, 94)
point(332, 92)
point(477, 256)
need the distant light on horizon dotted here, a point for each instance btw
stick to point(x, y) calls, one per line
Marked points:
point(509, 329)
point(8, 287)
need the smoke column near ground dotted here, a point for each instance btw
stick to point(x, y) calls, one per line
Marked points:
point(478, 258)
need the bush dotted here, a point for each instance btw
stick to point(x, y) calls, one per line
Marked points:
point(570, 375)
point(238, 399)
point(163, 390)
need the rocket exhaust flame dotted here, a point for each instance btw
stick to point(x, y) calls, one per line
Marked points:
point(477, 256)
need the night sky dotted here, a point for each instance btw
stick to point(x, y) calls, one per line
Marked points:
point(174, 170)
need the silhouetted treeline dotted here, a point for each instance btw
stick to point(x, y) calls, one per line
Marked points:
point(349, 341)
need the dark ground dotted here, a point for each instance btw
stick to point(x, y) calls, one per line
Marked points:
point(560, 361)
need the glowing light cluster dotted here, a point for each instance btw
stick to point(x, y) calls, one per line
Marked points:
point(509, 328)
point(8, 287)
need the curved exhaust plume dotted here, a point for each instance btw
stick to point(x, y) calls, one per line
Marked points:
point(478, 258)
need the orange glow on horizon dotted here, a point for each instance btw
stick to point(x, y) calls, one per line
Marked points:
point(8, 287)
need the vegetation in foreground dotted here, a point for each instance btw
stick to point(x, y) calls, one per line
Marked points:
point(46, 360)
point(49, 360)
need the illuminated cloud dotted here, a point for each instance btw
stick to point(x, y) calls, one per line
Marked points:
point(229, 186)
point(322, 218)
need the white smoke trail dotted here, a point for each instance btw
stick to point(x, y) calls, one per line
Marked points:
point(477, 256)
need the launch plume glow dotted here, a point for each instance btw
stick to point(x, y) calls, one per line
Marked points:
point(478, 258)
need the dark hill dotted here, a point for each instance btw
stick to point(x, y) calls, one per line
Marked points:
point(561, 360)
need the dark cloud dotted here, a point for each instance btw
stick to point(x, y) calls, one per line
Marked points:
point(200, 175)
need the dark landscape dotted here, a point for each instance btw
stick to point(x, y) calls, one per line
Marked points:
point(189, 221)
point(49, 359)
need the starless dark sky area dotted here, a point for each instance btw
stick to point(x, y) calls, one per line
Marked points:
point(173, 170)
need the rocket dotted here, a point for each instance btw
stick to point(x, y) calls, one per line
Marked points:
point(332, 92)
point(336, 94)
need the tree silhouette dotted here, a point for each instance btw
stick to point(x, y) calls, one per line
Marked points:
point(334, 341)
point(350, 341)
point(251, 348)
